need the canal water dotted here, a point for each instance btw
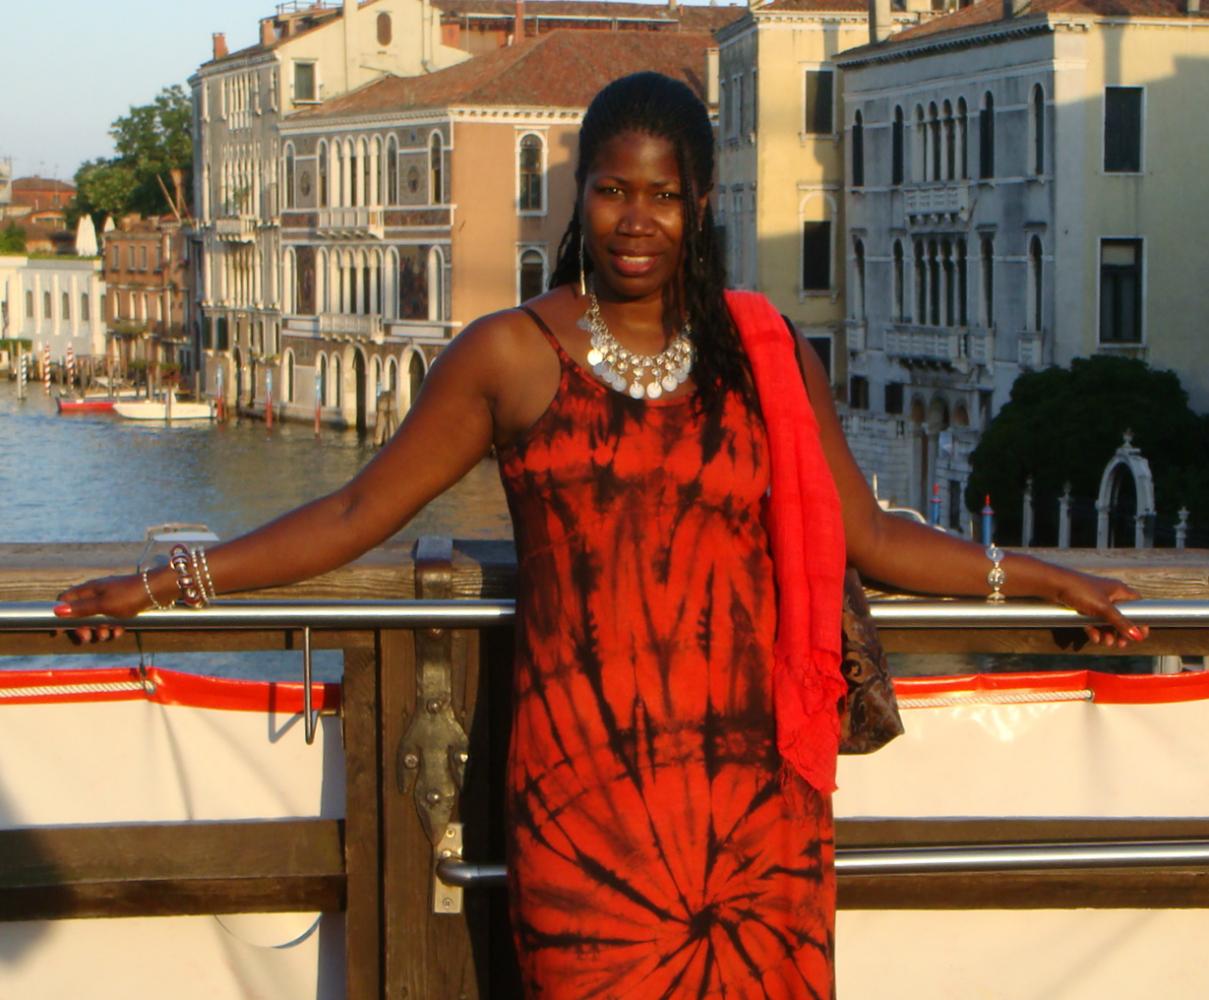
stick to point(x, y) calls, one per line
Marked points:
point(85, 478)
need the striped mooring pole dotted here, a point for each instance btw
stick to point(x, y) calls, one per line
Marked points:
point(71, 367)
point(46, 368)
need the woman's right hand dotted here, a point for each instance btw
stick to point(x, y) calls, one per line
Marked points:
point(112, 596)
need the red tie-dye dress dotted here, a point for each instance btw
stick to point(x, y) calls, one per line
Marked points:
point(651, 850)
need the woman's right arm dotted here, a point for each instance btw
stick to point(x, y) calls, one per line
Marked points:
point(450, 427)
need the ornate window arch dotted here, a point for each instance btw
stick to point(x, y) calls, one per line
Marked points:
point(531, 174)
point(288, 179)
point(392, 170)
point(436, 169)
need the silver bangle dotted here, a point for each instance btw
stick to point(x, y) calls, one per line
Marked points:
point(201, 568)
point(996, 576)
point(147, 587)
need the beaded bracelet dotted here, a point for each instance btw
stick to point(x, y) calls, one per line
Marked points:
point(181, 562)
point(147, 587)
point(996, 576)
point(201, 570)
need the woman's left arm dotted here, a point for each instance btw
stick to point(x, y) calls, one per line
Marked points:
point(912, 556)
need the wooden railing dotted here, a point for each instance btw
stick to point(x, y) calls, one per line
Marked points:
point(421, 704)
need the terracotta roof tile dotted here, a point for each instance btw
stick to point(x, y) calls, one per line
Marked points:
point(816, 6)
point(562, 69)
point(41, 184)
point(695, 18)
point(991, 11)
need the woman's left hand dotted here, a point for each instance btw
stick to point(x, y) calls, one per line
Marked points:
point(1097, 597)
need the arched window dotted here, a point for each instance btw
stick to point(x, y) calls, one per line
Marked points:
point(963, 311)
point(66, 307)
point(899, 291)
point(921, 285)
point(858, 151)
point(1034, 284)
point(321, 159)
point(289, 280)
point(1037, 129)
point(987, 249)
point(896, 144)
point(46, 307)
point(365, 183)
point(392, 377)
point(963, 145)
point(530, 174)
point(950, 133)
point(933, 284)
point(384, 29)
point(436, 286)
point(289, 175)
point(392, 171)
point(289, 377)
point(321, 380)
point(919, 156)
point(934, 173)
point(986, 137)
point(531, 279)
point(858, 261)
point(946, 251)
point(336, 395)
point(436, 171)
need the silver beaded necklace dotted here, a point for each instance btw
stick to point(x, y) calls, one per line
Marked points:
point(623, 370)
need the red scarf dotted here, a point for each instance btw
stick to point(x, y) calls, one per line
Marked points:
point(806, 532)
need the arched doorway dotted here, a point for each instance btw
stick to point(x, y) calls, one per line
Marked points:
point(415, 378)
point(359, 380)
point(1123, 508)
point(237, 373)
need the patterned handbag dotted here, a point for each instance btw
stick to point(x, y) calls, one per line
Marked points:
point(869, 717)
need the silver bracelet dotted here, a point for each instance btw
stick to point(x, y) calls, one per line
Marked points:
point(154, 603)
point(201, 570)
point(996, 576)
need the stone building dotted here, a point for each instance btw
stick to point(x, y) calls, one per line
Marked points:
point(1022, 185)
point(147, 283)
point(416, 204)
point(307, 56)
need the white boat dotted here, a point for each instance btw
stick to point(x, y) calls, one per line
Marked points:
point(167, 408)
point(155, 746)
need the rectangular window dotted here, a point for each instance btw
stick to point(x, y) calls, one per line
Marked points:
point(858, 392)
point(304, 81)
point(894, 397)
point(816, 256)
point(819, 101)
point(1120, 291)
point(822, 347)
point(84, 306)
point(1122, 130)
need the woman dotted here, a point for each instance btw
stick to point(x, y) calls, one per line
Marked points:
point(659, 845)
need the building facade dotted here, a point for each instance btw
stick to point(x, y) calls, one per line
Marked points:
point(417, 204)
point(145, 269)
point(1020, 190)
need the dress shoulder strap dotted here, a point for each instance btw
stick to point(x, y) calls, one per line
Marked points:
point(546, 331)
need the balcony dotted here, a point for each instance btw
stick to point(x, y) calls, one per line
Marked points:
point(1028, 348)
point(350, 223)
point(350, 325)
point(236, 228)
point(980, 345)
point(937, 344)
point(856, 331)
point(932, 204)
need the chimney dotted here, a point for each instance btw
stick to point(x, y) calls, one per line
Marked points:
point(268, 34)
point(1013, 7)
point(880, 21)
point(518, 30)
point(220, 44)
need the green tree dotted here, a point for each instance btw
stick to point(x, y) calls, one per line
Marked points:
point(12, 239)
point(151, 141)
point(1064, 424)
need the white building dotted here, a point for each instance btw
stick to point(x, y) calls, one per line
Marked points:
point(1020, 190)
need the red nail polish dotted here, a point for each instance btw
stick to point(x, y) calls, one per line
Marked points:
point(1135, 634)
point(63, 610)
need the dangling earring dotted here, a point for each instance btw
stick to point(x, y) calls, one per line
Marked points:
point(583, 283)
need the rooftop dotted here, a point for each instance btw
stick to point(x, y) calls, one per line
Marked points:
point(985, 12)
point(561, 69)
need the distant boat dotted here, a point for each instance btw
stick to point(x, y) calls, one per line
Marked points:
point(98, 403)
point(168, 408)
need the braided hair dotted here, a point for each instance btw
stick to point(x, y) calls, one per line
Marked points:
point(659, 106)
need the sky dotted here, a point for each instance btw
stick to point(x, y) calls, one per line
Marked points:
point(72, 66)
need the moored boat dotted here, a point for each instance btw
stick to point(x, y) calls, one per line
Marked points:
point(166, 408)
